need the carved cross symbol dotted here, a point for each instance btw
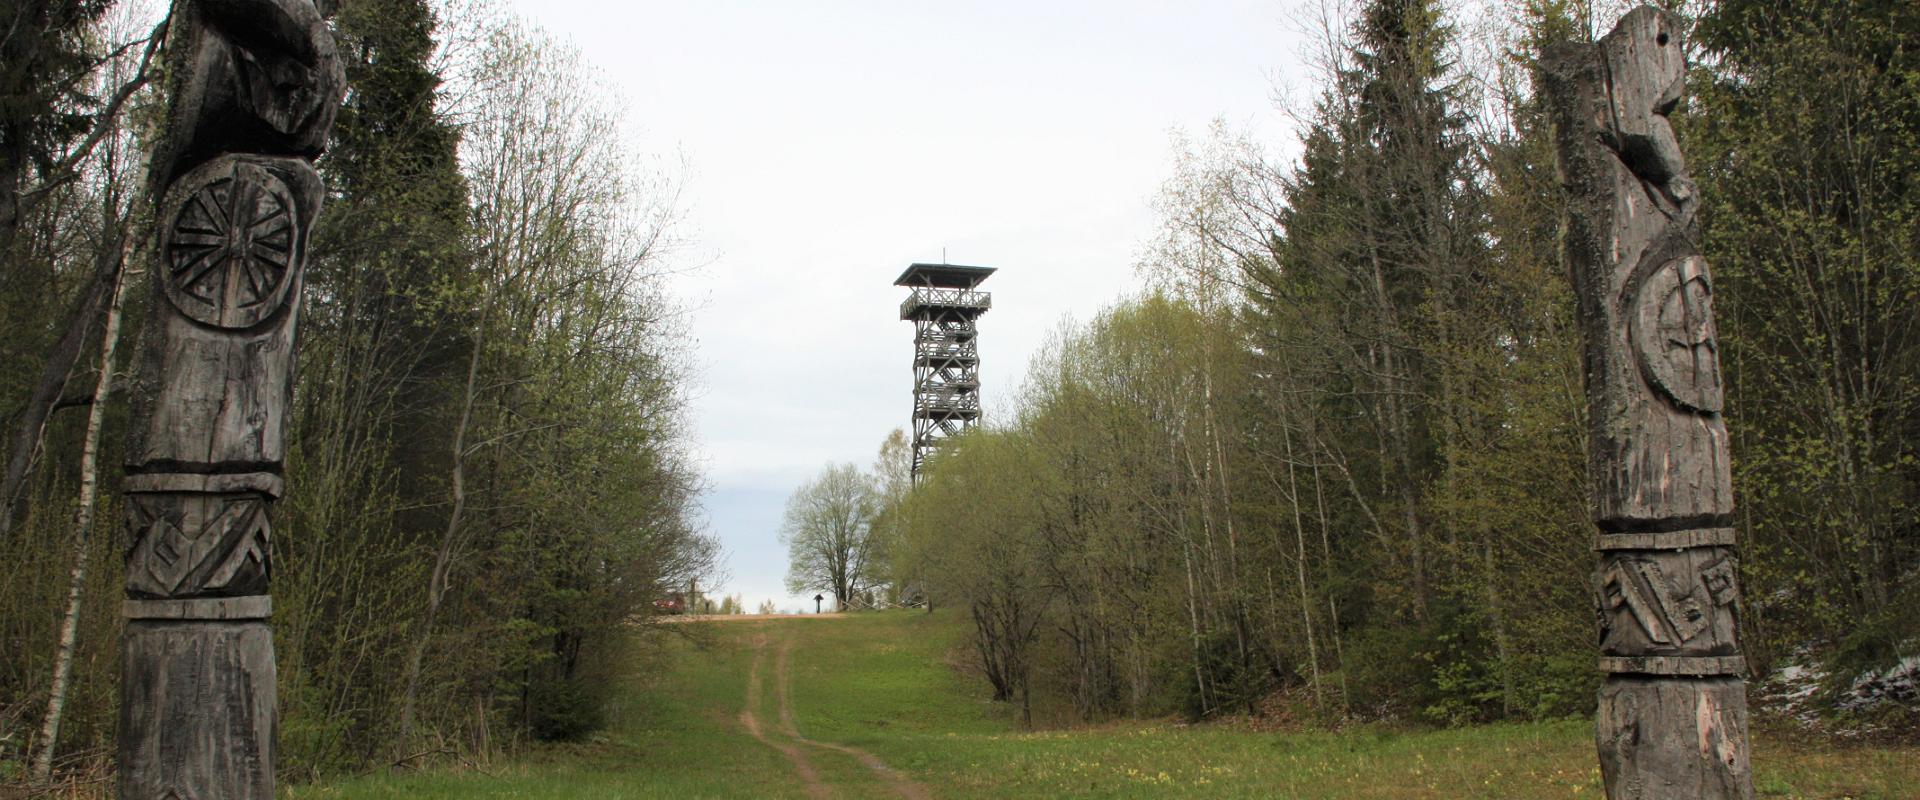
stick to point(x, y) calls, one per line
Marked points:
point(1685, 317)
point(230, 245)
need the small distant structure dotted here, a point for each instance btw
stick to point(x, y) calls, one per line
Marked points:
point(691, 601)
point(944, 307)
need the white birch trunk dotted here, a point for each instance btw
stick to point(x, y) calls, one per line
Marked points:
point(82, 527)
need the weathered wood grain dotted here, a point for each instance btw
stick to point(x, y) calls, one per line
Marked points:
point(254, 87)
point(1672, 719)
point(1662, 738)
point(197, 710)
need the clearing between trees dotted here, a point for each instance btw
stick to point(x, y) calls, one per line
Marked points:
point(874, 706)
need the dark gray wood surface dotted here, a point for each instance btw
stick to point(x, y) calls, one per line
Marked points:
point(254, 85)
point(1672, 719)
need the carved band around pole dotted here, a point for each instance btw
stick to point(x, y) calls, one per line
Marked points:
point(1674, 665)
point(257, 606)
point(254, 85)
point(1666, 540)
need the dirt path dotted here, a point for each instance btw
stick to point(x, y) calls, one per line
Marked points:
point(809, 776)
point(901, 784)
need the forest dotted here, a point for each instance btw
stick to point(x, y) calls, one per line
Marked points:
point(1330, 460)
point(489, 436)
point(1327, 460)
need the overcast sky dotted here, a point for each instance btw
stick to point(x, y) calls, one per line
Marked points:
point(830, 144)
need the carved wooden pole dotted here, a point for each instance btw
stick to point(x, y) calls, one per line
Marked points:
point(1672, 721)
point(254, 87)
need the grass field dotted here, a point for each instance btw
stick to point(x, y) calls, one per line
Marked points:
point(867, 706)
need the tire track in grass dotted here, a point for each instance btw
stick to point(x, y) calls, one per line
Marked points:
point(896, 780)
point(809, 777)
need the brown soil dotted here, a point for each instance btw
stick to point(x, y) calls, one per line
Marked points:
point(901, 784)
point(809, 776)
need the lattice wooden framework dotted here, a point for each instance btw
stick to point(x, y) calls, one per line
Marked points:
point(945, 308)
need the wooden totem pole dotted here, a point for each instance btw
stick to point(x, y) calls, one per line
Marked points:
point(1672, 721)
point(254, 85)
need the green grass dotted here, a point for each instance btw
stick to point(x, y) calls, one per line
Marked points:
point(884, 683)
point(662, 741)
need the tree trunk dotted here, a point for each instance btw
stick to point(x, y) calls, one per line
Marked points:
point(31, 427)
point(1300, 563)
point(1502, 640)
point(1326, 556)
point(12, 173)
point(1672, 721)
point(449, 538)
point(1193, 628)
point(82, 524)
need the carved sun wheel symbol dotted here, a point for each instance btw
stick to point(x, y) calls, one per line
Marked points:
point(1672, 331)
point(232, 244)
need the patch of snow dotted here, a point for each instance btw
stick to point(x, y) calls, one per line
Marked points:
point(1898, 684)
point(1791, 688)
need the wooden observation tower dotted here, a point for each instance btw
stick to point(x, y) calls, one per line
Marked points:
point(944, 307)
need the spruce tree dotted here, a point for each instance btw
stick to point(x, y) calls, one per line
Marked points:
point(1358, 309)
point(1807, 147)
point(383, 352)
point(43, 58)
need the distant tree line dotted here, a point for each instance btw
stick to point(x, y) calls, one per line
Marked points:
point(489, 476)
point(1333, 455)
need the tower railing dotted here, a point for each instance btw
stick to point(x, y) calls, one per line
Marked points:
point(930, 299)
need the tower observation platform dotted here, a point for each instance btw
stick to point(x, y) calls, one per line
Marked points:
point(944, 305)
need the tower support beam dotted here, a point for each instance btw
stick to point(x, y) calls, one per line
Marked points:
point(945, 307)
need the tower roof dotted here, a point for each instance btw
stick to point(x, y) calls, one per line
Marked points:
point(943, 276)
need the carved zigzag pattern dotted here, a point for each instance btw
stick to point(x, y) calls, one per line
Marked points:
point(185, 545)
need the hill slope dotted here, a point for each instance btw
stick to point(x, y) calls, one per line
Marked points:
point(868, 706)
